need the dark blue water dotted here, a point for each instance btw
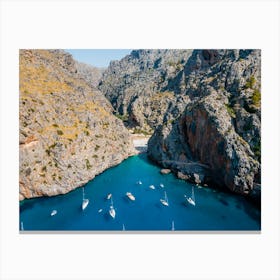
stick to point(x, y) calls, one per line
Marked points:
point(214, 210)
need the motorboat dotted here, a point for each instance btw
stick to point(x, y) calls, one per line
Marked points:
point(109, 196)
point(130, 196)
point(161, 185)
point(152, 187)
point(54, 212)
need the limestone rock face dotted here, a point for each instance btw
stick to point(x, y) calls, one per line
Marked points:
point(142, 87)
point(68, 133)
point(216, 139)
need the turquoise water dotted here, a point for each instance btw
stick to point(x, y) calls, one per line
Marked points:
point(214, 210)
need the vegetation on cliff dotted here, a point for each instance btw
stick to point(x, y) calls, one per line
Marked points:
point(68, 133)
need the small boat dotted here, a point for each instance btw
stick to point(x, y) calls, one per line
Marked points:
point(152, 187)
point(85, 201)
point(139, 183)
point(21, 226)
point(112, 211)
point(191, 200)
point(165, 200)
point(123, 228)
point(173, 227)
point(109, 196)
point(54, 212)
point(161, 185)
point(100, 210)
point(130, 196)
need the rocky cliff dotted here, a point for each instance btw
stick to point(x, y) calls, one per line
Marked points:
point(217, 137)
point(67, 134)
point(203, 107)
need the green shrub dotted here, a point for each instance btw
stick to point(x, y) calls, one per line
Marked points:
point(124, 117)
point(89, 166)
point(256, 98)
point(59, 132)
point(230, 111)
point(257, 149)
point(250, 83)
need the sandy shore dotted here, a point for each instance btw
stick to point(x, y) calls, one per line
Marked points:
point(140, 142)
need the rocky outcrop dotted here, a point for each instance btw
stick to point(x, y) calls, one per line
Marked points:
point(68, 133)
point(217, 137)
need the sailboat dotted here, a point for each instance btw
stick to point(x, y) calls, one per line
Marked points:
point(85, 201)
point(191, 200)
point(172, 228)
point(165, 200)
point(112, 211)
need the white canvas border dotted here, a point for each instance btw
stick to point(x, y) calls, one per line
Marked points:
point(131, 24)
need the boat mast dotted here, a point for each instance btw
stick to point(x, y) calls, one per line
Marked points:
point(165, 196)
point(193, 194)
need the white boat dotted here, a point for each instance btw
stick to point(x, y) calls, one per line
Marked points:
point(85, 201)
point(139, 183)
point(191, 200)
point(165, 200)
point(161, 185)
point(109, 196)
point(112, 211)
point(54, 212)
point(100, 210)
point(152, 187)
point(130, 196)
point(173, 227)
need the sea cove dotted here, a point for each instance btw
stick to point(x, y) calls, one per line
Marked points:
point(214, 210)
